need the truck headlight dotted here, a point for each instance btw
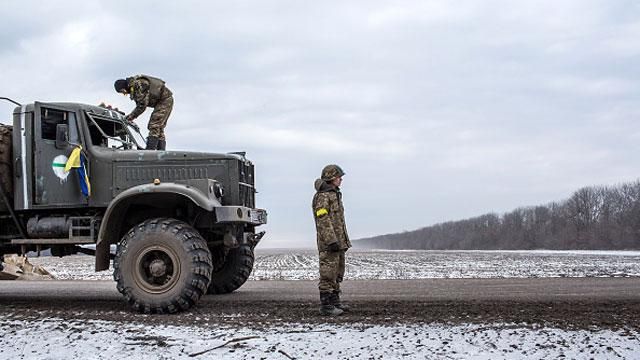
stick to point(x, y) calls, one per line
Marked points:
point(218, 191)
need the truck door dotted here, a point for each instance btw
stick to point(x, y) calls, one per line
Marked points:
point(54, 186)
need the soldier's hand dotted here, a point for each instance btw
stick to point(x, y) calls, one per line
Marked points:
point(333, 247)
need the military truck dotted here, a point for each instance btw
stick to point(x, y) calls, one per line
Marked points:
point(177, 224)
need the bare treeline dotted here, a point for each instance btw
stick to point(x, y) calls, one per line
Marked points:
point(593, 218)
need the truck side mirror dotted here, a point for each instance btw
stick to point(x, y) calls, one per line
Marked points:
point(62, 136)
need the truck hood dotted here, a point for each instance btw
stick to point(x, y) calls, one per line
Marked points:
point(151, 156)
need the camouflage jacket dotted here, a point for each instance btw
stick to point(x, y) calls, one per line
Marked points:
point(328, 213)
point(146, 91)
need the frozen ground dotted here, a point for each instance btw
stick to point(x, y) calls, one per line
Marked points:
point(80, 335)
point(53, 338)
point(364, 265)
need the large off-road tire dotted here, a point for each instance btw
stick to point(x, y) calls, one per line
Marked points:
point(6, 167)
point(232, 271)
point(162, 266)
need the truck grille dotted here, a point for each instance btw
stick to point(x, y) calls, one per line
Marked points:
point(246, 187)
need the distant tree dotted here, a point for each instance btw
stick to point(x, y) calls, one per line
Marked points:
point(592, 218)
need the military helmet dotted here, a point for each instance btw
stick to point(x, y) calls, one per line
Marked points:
point(331, 172)
point(121, 84)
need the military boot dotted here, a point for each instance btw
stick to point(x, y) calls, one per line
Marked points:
point(162, 144)
point(327, 308)
point(337, 303)
point(152, 143)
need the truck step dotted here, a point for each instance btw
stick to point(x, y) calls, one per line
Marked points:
point(83, 227)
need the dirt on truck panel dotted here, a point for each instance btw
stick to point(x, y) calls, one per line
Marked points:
point(77, 178)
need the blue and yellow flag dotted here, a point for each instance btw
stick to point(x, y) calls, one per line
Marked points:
point(78, 161)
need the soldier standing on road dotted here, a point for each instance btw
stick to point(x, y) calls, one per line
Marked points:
point(332, 238)
point(148, 91)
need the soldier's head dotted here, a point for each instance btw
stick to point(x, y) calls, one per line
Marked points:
point(121, 86)
point(332, 174)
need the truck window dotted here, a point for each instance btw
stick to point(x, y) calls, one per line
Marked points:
point(50, 118)
point(112, 132)
point(74, 136)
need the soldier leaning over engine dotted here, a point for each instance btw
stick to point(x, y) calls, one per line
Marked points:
point(332, 238)
point(148, 91)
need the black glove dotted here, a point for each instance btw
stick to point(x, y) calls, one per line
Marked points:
point(333, 247)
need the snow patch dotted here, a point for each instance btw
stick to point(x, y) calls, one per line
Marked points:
point(54, 338)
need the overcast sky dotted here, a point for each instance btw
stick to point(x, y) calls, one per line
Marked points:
point(436, 110)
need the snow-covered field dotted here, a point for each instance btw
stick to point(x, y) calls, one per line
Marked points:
point(303, 264)
point(54, 338)
point(452, 264)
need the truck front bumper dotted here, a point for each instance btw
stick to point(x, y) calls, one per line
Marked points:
point(241, 214)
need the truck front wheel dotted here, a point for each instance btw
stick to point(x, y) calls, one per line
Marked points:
point(162, 266)
point(232, 270)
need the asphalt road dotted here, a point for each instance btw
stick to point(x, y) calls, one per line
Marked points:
point(536, 290)
point(565, 302)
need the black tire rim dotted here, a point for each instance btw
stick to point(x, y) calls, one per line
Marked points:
point(157, 269)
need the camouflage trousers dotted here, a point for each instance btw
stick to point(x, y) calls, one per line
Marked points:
point(331, 271)
point(159, 117)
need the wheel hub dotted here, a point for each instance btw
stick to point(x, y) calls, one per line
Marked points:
point(158, 268)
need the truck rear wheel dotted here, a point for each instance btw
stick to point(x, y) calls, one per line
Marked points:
point(232, 271)
point(162, 266)
point(6, 168)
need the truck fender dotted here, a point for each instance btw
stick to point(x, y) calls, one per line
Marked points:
point(110, 227)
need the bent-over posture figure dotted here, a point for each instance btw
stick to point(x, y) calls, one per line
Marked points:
point(148, 91)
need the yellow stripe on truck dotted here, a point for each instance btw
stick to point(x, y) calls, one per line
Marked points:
point(321, 212)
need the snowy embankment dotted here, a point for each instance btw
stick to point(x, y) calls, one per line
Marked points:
point(53, 338)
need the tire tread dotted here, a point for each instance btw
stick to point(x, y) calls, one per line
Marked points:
point(200, 266)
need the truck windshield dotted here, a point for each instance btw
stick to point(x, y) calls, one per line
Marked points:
point(114, 132)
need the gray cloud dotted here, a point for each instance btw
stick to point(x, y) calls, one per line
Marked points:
point(437, 110)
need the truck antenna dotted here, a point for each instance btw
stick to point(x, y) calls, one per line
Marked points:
point(13, 101)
